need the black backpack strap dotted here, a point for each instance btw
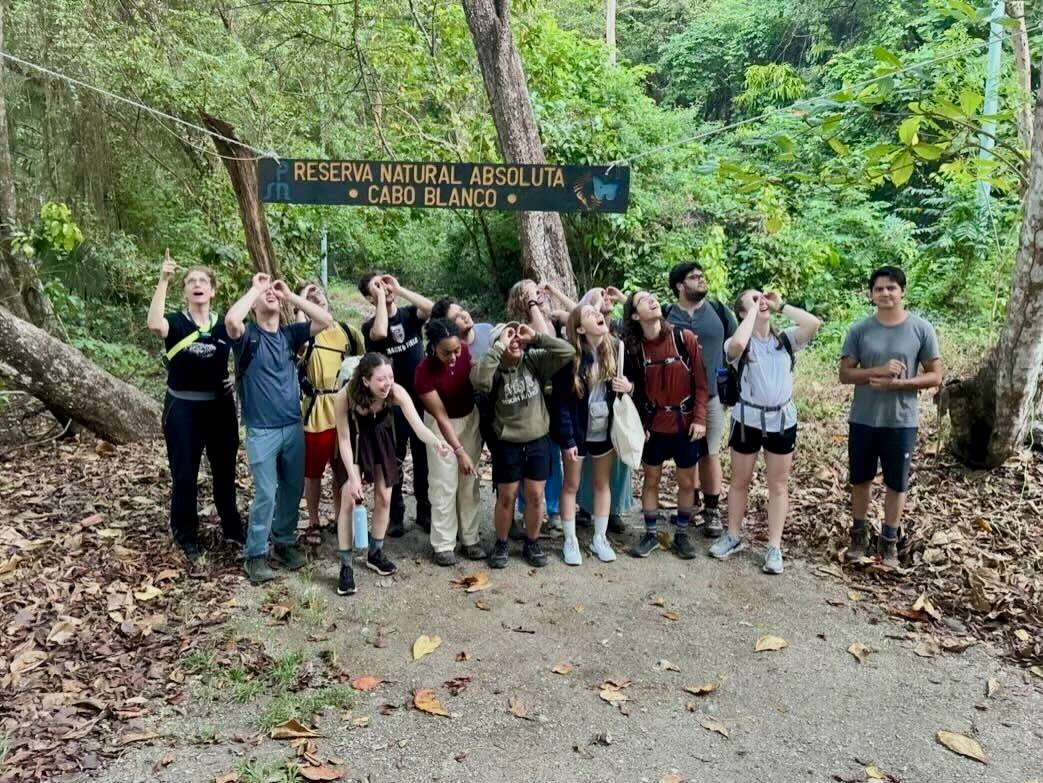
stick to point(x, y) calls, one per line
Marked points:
point(681, 348)
point(246, 355)
point(722, 313)
point(784, 338)
point(354, 349)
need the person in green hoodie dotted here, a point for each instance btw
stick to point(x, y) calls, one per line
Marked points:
point(513, 374)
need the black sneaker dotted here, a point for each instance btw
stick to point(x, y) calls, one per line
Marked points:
point(517, 532)
point(534, 554)
point(379, 562)
point(712, 525)
point(346, 582)
point(889, 552)
point(444, 559)
point(583, 519)
point(616, 524)
point(473, 552)
point(501, 552)
point(682, 546)
point(396, 528)
point(856, 550)
point(648, 544)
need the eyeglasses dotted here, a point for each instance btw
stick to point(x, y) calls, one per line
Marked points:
point(695, 277)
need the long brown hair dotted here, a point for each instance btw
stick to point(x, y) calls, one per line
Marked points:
point(605, 353)
point(359, 394)
point(517, 304)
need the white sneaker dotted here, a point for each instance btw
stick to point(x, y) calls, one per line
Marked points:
point(570, 552)
point(601, 549)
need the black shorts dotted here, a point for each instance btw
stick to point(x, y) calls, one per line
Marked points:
point(595, 448)
point(890, 447)
point(516, 461)
point(750, 440)
point(677, 446)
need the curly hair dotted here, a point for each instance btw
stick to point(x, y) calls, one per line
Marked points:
point(437, 330)
point(359, 394)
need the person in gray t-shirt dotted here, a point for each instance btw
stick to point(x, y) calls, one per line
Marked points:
point(881, 356)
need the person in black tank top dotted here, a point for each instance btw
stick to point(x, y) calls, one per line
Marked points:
point(199, 410)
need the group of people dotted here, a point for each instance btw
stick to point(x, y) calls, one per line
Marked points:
point(538, 391)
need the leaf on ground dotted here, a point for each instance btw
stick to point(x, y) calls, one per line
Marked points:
point(367, 682)
point(563, 668)
point(360, 723)
point(666, 666)
point(167, 573)
point(923, 604)
point(873, 773)
point(463, 656)
point(10, 564)
point(425, 645)
point(658, 600)
point(928, 648)
point(27, 660)
point(701, 690)
point(457, 685)
point(965, 746)
point(425, 700)
point(672, 616)
point(612, 696)
point(860, 651)
point(1022, 635)
point(517, 709)
point(770, 643)
point(479, 604)
point(472, 583)
point(63, 630)
point(319, 773)
point(130, 739)
point(672, 777)
point(292, 729)
point(991, 686)
point(147, 593)
point(228, 777)
point(712, 724)
point(616, 685)
point(281, 613)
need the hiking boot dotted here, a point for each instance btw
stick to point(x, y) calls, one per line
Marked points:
point(601, 549)
point(682, 546)
point(726, 546)
point(257, 570)
point(396, 528)
point(554, 524)
point(648, 544)
point(534, 554)
point(473, 552)
point(583, 518)
point(712, 527)
point(856, 549)
point(423, 520)
point(570, 552)
point(379, 562)
point(889, 552)
point(191, 552)
point(346, 582)
point(517, 532)
point(288, 556)
point(772, 561)
point(616, 524)
point(501, 552)
point(444, 559)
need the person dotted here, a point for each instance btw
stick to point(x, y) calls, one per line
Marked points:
point(765, 416)
point(621, 480)
point(317, 373)
point(198, 408)
point(712, 322)
point(666, 366)
point(513, 373)
point(881, 357)
point(476, 336)
point(443, 382)
point(584, 392)
point(529, 303)
point(266, 365)
point(396, 332)
point(367, 428)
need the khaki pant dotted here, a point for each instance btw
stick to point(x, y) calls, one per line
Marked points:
point(454, 497)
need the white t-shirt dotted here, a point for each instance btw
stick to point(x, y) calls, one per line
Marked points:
point(767, 380)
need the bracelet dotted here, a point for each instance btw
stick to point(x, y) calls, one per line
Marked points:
point(533, 303)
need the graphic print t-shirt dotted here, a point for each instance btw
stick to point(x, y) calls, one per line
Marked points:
point(203, 365)
point(403, 345)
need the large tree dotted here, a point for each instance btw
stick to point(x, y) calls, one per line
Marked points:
point(993, 412)
point(545, 254)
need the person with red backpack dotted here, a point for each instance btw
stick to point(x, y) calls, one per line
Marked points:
point(317, 371)
point(763, 414)
point(665, 364)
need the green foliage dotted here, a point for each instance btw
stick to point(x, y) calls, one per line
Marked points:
point(304, 704)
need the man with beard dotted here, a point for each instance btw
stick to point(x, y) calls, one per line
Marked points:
point(713, 323)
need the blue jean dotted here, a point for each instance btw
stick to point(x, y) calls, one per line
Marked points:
point(552, 490)
point(276, 456)
point(620, 483)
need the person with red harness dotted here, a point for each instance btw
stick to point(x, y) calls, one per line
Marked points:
point(666, 367)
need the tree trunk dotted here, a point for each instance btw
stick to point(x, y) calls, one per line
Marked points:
point(610, 30)
point(65, 380)
point(241, 166)
point(1019, 42)
point(992, 413)
point(545, 255)
point(20, 287)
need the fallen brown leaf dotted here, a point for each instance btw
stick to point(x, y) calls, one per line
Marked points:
point(712, 724)
point(991, 686)
point(658, 600)
point(672, 777)
point(425, 645)
point(457, 685)
point(770, 643)
point(965, 746)
point(701, 690)
point(923, 604)
point(292, 729)
point(472, 583)
point(612, 696)
point(463, 656)
point(928, 648)
point(666, 666)
point(366, 682)
point(860, 651)
point(672, 616)
point(425, 700)
point(563, 668)
point(319, 773)
point(479, 604)
point(517, 709)
point(228, 777)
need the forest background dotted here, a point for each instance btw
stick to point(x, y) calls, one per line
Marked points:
point(806, 200)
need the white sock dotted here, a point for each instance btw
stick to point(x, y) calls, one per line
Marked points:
point(570, 527)
point(601, 526)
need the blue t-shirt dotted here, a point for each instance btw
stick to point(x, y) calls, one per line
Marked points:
point(271, 394)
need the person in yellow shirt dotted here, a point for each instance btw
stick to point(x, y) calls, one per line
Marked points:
point(318, 366)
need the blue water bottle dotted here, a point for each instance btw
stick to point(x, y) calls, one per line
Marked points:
point(360, 523)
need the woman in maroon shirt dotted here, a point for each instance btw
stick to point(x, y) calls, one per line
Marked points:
point(443, 383)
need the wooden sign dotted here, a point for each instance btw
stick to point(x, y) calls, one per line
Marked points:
point(506, 186)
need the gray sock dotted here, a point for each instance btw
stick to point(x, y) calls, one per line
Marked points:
point(375, 544)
